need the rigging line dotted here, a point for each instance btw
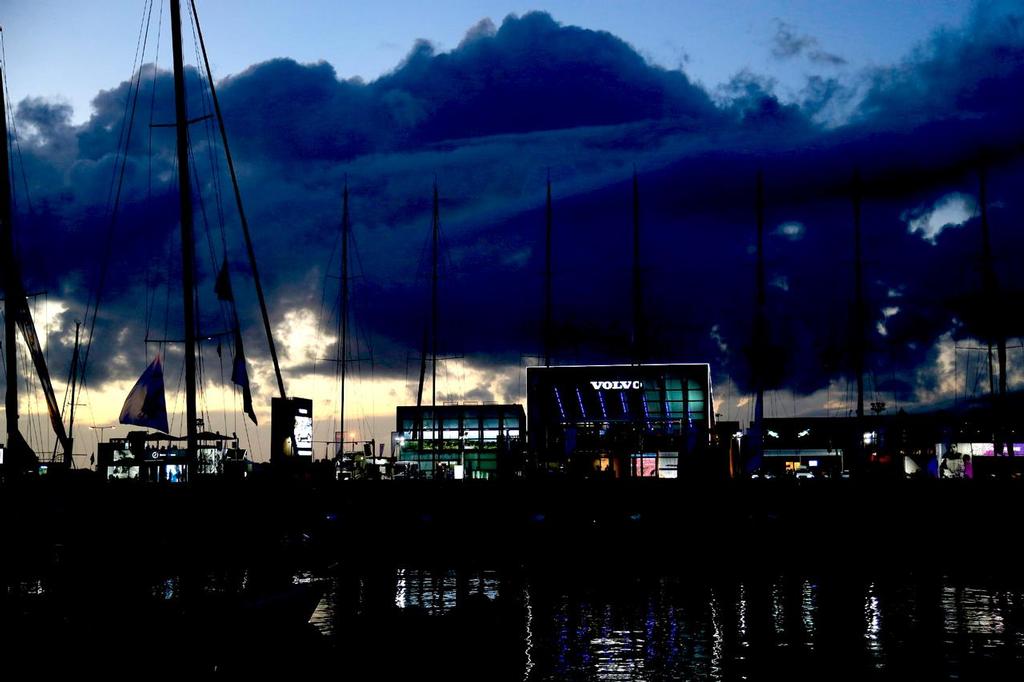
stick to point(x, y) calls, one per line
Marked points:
point(223, 397)
point(133, 82)
point(248, 438)
point(94, 301)
point(323, 297)
point(169, 260)
point(177, 397)
point(210, 137)
point(152, 97)
point(234, 408)
point(30, 394)
point(204, 409)
point(16, 142)
point(241, 209)
point(214, 263)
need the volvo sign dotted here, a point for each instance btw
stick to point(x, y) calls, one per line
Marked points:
point(617, 385)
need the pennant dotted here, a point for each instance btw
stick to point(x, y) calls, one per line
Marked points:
point(223, 286)
point(240, 377)
point(145, 405)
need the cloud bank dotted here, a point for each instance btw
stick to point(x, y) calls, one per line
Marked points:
point(489, 120)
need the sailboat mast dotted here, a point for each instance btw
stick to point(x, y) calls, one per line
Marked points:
point(991, 293)
point(760, 320)
point(10, 305)
point(638, 350)
point(858, 294)
point(187, 239)
point(343, 310)
point(435, 241)
point(71, 410)
point(547, 277)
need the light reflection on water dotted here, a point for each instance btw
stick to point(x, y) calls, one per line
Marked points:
point(621, 627)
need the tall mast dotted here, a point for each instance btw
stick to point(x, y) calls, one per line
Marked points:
point(638, 349)
point(343, 310)
point(759, 326)
point(71, 412)
point(858, 298)
point(241, 209)
point(10, 306)
point(547, 277)
point(187, 240)
point(436, 238)
point(17, 313)
point(991, 293)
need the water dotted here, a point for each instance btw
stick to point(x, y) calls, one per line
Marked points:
point(619, 626)
point(597, 624)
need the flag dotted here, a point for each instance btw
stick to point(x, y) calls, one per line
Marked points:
point(223, 286)
point(145, 405)
point(240, 376)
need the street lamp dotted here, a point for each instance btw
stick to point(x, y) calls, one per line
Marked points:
point(101, 429)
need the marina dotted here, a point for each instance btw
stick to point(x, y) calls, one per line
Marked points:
point(414, 376)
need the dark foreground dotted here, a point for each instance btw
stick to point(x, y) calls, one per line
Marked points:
point(648, 580)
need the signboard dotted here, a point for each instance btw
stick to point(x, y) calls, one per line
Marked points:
point(291, 429)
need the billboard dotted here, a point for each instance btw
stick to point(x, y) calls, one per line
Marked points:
point(291, 429)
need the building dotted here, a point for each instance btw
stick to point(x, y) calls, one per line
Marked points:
point(475, 441)
point(815, 446)
point(159, 458)
point(621, 420)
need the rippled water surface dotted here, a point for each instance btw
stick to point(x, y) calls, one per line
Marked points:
point(626, 627)
point(601, 625)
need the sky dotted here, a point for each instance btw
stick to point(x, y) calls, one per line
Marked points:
point(711, 39)
point(488, 98)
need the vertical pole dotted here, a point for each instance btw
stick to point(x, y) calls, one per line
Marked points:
point(436, 237)
point(858, 298)
point(7, 260)
point(759, 327)
point(547, 277)
point(343, 309)
point(638, 350)
point(187, 239)
point(995, 330)
point(69, 451)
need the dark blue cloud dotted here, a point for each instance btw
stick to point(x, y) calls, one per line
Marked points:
point(491, 117)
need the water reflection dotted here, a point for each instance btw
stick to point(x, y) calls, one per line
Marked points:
point(564, 625)
point(621, 627)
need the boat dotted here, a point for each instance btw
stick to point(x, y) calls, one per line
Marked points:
point(198, 452)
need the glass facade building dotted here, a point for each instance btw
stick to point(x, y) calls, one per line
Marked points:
point(465, 441)
point(619, 420)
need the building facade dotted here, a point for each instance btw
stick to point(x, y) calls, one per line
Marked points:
point(465, 441)
point(644, 421)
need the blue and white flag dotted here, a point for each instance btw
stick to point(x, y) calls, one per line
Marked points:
point(240, 376)
point(145, 405)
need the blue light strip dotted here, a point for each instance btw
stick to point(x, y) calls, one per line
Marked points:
point(561, 408)
point(583, 410)
point(604, 409)
point(647, 412)
point(625, 405)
